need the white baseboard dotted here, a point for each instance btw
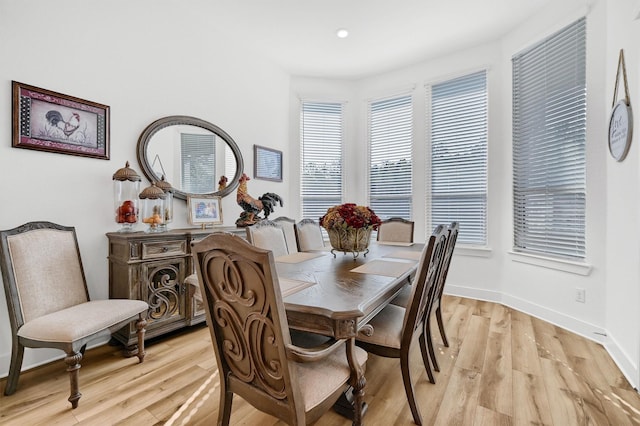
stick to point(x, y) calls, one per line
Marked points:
point(587, 330)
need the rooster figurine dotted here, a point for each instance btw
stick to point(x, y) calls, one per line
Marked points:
point(68, 127)
point(251, 206)
point(222, 183)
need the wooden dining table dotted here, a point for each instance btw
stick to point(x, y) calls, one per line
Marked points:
point(337, 296)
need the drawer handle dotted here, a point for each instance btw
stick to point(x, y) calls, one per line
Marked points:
point(165, 249)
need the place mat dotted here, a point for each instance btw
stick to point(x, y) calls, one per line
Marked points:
point(297, 257)
point(288, 286)
point(405, 254)
point(388, 268)
point(394, 243)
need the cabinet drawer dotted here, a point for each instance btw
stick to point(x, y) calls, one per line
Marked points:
point(154, 250)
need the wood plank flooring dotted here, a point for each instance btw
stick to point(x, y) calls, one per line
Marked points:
point(503, 367)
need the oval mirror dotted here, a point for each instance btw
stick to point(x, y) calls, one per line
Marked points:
point(191, 154)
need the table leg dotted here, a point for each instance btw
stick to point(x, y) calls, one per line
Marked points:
point(357, 383)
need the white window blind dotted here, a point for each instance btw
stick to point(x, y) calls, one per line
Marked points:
point(390, 123)
point(459, 155)
point(549, 139)
point(320, 157)
point(198, 161)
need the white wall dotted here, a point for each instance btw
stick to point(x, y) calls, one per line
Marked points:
point(145, 59)
point(537, 286)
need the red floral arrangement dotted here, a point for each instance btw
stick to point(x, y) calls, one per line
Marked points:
point(349, 215)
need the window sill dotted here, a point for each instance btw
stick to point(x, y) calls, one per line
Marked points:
point(473, 251)
point(549, 263)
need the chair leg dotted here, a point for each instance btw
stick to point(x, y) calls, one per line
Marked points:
point(73, 365)
point(224, 411)
point(432, 352)
point(15, 366)
point(140, 327)
point(425, 359)
point(441, 326)
point(408, 388)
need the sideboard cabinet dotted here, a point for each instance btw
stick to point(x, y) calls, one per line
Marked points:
point(153, 267)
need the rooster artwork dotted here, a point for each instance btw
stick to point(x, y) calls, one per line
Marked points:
point(252, 206)
point(67, 126)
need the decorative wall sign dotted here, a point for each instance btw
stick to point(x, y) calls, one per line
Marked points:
point(621, 120)
point(48, 121)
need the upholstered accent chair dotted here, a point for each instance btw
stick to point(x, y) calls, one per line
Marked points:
point(395, 328)
point(396, 230)
point(250, 335)
point(48, 300)
point(268, 235)
point(309, 235)
point(288, 226)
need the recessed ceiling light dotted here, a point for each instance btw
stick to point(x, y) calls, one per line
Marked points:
point(342, 32)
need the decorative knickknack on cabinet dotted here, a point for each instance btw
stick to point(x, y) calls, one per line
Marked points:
point(153, 267)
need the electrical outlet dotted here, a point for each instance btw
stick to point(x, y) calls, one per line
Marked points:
point(581, 295)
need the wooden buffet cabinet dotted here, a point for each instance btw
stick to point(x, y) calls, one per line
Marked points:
point(153, 267)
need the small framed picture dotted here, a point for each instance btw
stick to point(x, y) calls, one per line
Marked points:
point(204, 210)
point(267, 163)
point(48, 121)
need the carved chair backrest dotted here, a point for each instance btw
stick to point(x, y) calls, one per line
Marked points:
point(247, 319)
point(452, 237)
point(396, 229)
point(288, 226)
point(41, 269)
point(309, 235)
point(422, 289)
point(268, 235)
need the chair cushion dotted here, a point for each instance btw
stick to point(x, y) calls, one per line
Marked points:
point(317, 380)
point(270, 238)
point(387, 327)
point(193, 281)
point(310, 237)
point(80, 321)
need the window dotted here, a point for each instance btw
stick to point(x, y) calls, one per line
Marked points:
point(390, 144)
point(459, 155)
point(320, 157)
point(549, 139)
point(198, 161)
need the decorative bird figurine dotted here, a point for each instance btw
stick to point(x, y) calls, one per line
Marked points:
point(222, 183)
point(252, 206)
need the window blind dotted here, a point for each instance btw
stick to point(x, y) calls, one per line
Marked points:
point(549, 139)
point(321, 130)
point(390, 123)
point(198, 162)
point(459, 155)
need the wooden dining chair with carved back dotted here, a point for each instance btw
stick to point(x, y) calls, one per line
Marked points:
point(309, 235)
point(250, 335)
point(395, 327)
point(48, 300)
point(268, 235)
point(288, 226)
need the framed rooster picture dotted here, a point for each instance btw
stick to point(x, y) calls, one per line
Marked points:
point(48, 121)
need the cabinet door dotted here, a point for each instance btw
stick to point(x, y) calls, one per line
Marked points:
point(162, 286)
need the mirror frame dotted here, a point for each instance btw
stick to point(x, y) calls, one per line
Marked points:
point(174, 120)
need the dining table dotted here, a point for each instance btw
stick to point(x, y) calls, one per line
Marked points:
point(337, 294)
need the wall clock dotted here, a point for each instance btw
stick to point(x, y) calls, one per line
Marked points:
point(621, 120)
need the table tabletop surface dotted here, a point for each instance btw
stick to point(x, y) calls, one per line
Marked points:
point(331, 290)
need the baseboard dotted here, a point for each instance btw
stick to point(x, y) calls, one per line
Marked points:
point(587, 330)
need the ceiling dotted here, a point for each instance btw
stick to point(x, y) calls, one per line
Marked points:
point(300, 35)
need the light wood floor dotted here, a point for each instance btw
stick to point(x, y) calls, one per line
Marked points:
point(502, 368)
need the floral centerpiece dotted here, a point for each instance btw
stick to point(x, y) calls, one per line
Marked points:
point(349, 227)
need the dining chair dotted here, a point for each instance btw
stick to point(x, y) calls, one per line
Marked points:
point(268, 235)
point(288, 226)
point(395, 327)
point(396, 230)
point(250, 336)
point(309, 235)
point(48, 300)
